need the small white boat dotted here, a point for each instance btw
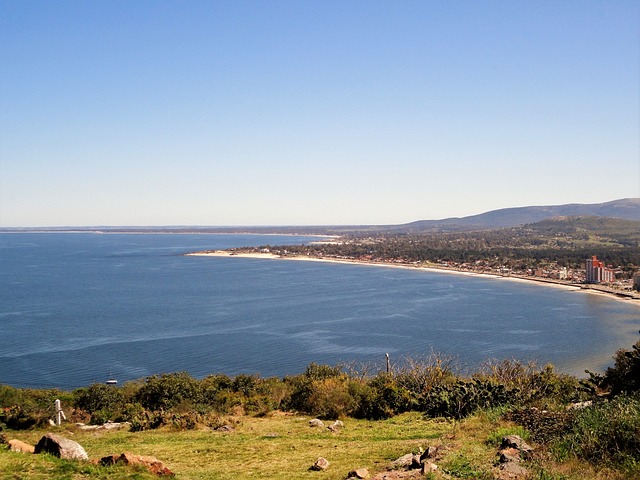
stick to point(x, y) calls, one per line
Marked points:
point(111, 381)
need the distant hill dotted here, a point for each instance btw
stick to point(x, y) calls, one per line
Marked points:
point(614, 231)
point(626, 209)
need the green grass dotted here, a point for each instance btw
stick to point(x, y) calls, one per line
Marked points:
point(284, 446)
point(274, 447)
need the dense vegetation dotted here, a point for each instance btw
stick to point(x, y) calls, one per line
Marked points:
point(606, 431)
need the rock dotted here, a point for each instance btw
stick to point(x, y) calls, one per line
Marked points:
point(359, 473)
point(19, 446)
point(513, 470)
point(225, 428)
point(399, 475)
point(430, 452)
point(152, 464)
point(316, 423)
point(428, 467)
point(509, 455)
point(515, 441)
point(336, 426)
point(116, 425)
point(104, 426)
point(321, 464)
point(61, 447)
point(403, 461)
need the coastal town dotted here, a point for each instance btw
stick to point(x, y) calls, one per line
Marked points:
point(599, 255)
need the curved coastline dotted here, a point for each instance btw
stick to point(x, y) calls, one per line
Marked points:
point(631, 298)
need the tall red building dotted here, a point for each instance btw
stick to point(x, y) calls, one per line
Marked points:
point(597, 272)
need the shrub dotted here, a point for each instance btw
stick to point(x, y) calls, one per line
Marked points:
point(245, 384)
point(462, 397)
point(624, 376)
point(544, 425)
point(25, 408)
point(607, 432)
point(368, 403)
point(301, 386)
point(527, 383)
point(167, 390)
point(420, 375)
point(329, 398)
point(102, 402)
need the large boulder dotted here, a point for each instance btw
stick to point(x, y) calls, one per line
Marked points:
point(61, 447)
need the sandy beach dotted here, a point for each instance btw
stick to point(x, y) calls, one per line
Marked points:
point(633, 298)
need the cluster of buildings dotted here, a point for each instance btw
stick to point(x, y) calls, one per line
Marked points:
point(597, 272)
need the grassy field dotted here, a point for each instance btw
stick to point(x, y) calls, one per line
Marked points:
point(284, 446)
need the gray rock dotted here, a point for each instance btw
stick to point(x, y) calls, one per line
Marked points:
point(515, 441)
point(225, 428)
point(61, 447)
point(514, 470)
point(316, 423)
point(403, 461)
point(336, 426)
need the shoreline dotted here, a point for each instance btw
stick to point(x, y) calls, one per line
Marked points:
point(629, 298)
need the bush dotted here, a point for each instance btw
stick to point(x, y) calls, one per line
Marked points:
point(462, 397)
point(102, 402)
point(368, 403)
point(167, 390)
point(624, 376)
point(330, 398)
point(420, 375)
point(301, 386)
point(607, 432)
point(527, 383)
point(25, 408)
point(544, 425)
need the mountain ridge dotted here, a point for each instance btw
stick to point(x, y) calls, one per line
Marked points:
point(625, 209)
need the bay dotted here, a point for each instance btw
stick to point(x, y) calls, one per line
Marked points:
point(76, 308)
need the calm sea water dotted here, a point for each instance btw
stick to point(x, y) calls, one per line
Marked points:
point(77, 308)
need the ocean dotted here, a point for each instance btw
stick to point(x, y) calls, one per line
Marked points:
point(77, 308)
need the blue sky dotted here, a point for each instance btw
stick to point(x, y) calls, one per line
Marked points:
point(313, 112)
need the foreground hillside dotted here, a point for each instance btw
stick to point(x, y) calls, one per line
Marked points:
point(284, 446)
point(458, 426)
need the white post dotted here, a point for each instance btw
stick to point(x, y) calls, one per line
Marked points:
point(59, 413)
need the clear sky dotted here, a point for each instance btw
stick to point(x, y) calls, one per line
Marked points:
point(313, 112)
